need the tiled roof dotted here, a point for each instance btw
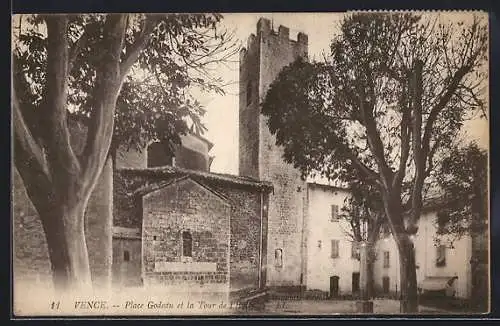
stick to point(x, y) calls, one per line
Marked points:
point(209, 176)
point(127, 233)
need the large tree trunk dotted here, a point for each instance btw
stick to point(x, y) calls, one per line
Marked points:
point(370, 271)
point(407, 266)
point(408, 274)
point(57, 181)
point(65, 233)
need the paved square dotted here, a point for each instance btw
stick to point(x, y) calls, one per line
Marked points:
point(335, 307)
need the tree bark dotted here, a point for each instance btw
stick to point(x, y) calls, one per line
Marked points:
point(370, 271)
point(56, 180)
point(65, 233)
point(408, 275)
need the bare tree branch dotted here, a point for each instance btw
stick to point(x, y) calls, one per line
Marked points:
point(374, 141)
point(60, 154)
point(148, 25)
point(108, 84)
point(27, 152)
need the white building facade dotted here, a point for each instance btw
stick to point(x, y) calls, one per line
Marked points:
point(440, 266)
point(331, 263)
point(332, 266)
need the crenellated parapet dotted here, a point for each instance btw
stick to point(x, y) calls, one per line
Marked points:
point(264, 31)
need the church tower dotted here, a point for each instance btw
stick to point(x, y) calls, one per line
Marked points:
point(266, 54)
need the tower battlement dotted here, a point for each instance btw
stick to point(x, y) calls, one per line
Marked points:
point(267, 53)
point(264, 31)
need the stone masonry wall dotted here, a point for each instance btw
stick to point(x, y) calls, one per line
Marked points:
point(245, 226)
point(245, 236)
point(185, 206)
point(127, 273)
point(249, 109)
point(276, 50)
point(30, 252)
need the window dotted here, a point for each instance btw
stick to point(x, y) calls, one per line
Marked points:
point(319, 244)
point(126, 255)
point(441, 256)
point(335, 213)
point(335, 248)
point(386, 284)
point(278, 257)
point(159, 154)
point(187, 244)
point(249, 93)
point(386, 259)
point(355, 249)
point(355, 282)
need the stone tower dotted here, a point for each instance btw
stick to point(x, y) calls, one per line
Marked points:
point(266, 54)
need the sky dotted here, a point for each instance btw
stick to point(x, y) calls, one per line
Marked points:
point(221, 118)
point(222, 111)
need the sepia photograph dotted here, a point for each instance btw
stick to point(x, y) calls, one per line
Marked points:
point(250, 164)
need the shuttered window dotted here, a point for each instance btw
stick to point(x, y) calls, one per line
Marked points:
point(335, 249)
point(334, 213)
point(387, 259)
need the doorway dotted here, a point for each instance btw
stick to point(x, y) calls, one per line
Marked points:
point(355, 282)
point(385, 284)
point(334, 286)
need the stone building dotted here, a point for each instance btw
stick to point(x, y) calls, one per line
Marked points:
point(159, 221)
point(307, 244)
point(266, 54)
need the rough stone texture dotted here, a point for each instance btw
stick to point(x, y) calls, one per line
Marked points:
point(244, 210)
point(249, 109)
point(245, 236)
point(265, 56)
point(31, 259)
point(30, 253)
point(185, 206)
point(127, 273)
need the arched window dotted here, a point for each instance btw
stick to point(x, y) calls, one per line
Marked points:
point(187, 244)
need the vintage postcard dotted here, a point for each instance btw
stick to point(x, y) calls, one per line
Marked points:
point(250, 164)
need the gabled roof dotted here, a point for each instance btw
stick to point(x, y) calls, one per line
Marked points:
point(142, 191)
point(176, 172)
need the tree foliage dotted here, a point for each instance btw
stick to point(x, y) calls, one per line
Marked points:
point(391, 97)
point(168, 55)
point(364, 212)
point(88, 65)
point(463, 175)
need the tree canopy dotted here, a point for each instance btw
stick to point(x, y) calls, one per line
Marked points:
point(392, 96)
point(168, 55)
point(88, 66)
point(463, 176)
point(358, 109)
